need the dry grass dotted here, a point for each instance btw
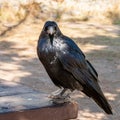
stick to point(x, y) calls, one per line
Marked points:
point(105, 11)
point(113, 13)
point(11, 14)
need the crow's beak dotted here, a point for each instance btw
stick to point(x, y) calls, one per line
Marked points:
point(51, 30)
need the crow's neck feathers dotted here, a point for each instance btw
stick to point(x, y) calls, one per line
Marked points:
point(51, 39)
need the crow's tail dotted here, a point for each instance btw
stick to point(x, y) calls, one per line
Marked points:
point(102, 102)
point(100, 99)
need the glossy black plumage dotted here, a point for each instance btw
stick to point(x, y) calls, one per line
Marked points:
point(67, 66)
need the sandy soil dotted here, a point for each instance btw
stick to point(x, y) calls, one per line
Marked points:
point(100, 43)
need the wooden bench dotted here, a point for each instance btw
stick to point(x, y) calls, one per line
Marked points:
point(19, 102)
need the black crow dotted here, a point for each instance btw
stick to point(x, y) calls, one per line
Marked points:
point(67, 65)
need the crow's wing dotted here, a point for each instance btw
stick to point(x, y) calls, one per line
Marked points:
point(92, 70)
point(73, 60)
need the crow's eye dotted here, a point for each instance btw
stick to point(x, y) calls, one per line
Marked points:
point(55, 28)
point(46, 28)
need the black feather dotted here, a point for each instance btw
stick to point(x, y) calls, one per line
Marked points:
point(67, 66)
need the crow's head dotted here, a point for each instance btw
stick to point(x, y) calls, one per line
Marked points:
point(51, 28)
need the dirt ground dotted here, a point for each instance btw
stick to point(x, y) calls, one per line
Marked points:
point(100, 43)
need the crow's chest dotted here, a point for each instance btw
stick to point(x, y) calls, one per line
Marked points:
point(51, 63)
point(49, 55)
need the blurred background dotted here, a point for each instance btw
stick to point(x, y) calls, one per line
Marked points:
point(93, 24)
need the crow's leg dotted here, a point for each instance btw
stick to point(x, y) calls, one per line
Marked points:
point(56, 93)
point(62, 97)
